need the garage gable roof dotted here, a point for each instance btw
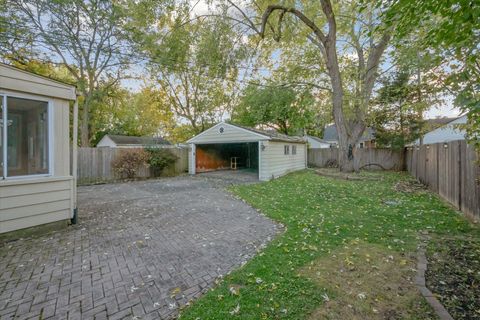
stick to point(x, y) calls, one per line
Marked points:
point(227, 132)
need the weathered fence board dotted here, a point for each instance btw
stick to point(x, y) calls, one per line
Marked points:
point(95, 164)
point(364, 158)
point(452, 170)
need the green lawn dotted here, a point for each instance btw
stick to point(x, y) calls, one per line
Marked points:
point(328, 222)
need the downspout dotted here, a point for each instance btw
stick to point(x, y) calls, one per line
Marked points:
point(74, 160)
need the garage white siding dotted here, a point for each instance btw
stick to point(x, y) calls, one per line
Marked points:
point(274, 163)
point(226, 133)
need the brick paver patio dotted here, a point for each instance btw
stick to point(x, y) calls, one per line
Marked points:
point(141, 250)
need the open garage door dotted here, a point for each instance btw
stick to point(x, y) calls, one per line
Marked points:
point(227, 156)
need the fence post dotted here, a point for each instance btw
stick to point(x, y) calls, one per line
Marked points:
point(460, 176)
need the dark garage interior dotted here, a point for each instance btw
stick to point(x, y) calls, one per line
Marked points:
point(211, 157)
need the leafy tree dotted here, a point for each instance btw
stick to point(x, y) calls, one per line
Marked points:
point(44, 68)
point(179, 132)
point(403, 96)
point(193, 62)
point(134, 114)
point(348, 27)
point(452, 33)
point(86, 37)
point(276, 107)
point(397, 119)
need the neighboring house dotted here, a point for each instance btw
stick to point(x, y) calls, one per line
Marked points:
point(269, 154)
point(36, 184)
point(367, 140)
point(317, 143)
point(445, 133)
point(118, 141)
point(434, 123)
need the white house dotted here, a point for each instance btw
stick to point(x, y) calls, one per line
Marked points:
point(448, 132)
point(367, 140)
point(119, 141)
point(225, 145)
point(317, 143)
point(36, 184)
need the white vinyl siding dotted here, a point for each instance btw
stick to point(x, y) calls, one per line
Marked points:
point(106, 142)
point(274, 160)
point(274, 163)
point(449, 132)
point(230, 134)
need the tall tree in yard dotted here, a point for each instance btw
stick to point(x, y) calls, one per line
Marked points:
point(86, 37)
point(347, 28)
point(397, 112)
point(192, 61)
point(284, 109)
point(451, 31)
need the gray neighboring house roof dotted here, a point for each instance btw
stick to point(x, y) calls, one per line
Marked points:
point(330, 134)
point(140, 141)
point(317, 139)
point(273, 135)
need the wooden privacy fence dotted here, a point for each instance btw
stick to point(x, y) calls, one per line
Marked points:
point(450, 169)
point(95, 164)
point(364, 158)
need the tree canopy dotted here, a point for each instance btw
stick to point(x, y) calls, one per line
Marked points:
point(293, 66)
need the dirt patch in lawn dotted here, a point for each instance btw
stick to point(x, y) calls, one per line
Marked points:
point(453, 275)
point(356, 176)
point(409, 186)
point(368, 282)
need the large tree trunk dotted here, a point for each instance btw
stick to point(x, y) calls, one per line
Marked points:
point(84, 127)
point(84, 130)
point(349, 131)
point(346, 137)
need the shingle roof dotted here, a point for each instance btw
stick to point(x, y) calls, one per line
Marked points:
point(273, 135)
point(132, 140)
point(440, 121)
point(330, 134)
point(317, 139)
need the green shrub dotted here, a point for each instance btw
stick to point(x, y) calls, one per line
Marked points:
point(128, 161)
point(159, 159)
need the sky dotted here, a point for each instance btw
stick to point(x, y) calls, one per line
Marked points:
point(446, 110)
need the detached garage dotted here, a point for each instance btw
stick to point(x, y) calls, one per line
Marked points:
point(231, 147)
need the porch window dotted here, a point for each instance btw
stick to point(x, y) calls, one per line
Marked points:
point(286, 149)
point(24, 138)
point(294, 149)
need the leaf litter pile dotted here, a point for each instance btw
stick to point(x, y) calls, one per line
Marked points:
point(345, 253)
point(453, 275)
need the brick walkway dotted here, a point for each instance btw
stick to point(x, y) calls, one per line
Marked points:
point(140, 251)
